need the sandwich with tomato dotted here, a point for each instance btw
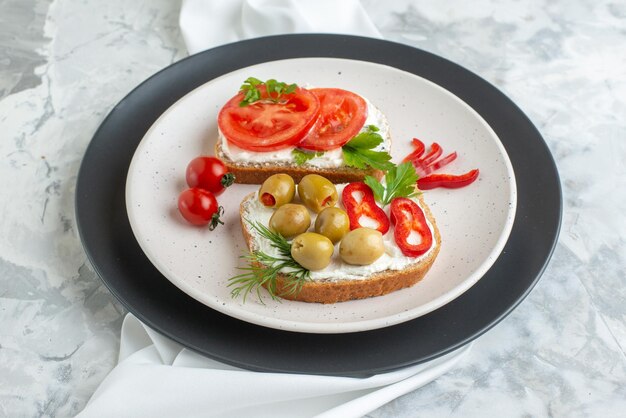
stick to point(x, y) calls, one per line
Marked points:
point(271, 127)
point(330, 243)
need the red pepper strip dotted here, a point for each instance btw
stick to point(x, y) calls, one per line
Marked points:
point(442, 162)
point(448, 181)
point(366, 207)
point(419, 150)
point(433, 154)
point(418, 144)
point(408, 217)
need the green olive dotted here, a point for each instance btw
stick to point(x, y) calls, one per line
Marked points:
point(277, 190)
point(290, 220)
point(362, 246)
point(312, 251)
point(333, 223)
point(317, 192)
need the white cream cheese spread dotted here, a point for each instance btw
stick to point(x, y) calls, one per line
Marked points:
point(330, 159)
point(392, 258)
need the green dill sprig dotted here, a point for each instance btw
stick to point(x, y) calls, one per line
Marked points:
point(263, 269)
point(359, 151)
point(400, 181)
point(275, 91)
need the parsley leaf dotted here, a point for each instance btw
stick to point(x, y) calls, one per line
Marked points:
point(275, 90)
point(300, 157)
point(400, 181)
point(377, 188)
point(359, 151)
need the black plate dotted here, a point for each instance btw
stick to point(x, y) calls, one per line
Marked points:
point(118, 260)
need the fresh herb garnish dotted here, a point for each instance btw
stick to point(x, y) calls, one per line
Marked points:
point(263, 269)
point(300, 157)
point(275, 91)
point(400, 181)
point(359, 151)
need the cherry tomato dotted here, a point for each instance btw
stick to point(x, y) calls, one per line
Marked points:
point(407, 217)
point(265, 126)
point(365, 206)
point(342, 115)
point(199, 207)
point(209, 173)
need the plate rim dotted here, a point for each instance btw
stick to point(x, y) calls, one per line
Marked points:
point(336, 46)
point(281, 323)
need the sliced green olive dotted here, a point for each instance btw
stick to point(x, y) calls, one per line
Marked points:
point(333, 223)
point(312, 251)
point(277, 190)
point(362, 246)
point(290, 220)
point(317, 192)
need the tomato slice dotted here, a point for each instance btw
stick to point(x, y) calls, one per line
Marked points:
point(342, 115)
point(264, 126)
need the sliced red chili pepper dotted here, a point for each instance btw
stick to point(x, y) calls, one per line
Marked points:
point(365, 206)
point(419, 150)
point(423, 170)
point(448, 181)
point(433, 154)
point(407, 217)
point(442, 162)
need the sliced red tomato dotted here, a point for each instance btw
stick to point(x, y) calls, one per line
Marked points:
point(342, 115)
point(407, 217)
point(265, 126)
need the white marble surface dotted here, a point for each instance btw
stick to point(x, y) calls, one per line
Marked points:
point(65, 63)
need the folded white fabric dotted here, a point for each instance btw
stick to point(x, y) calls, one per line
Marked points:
point(158, 377)
point(209, 23)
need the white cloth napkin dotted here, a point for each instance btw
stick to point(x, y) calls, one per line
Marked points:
point(209, 23)
point(157, 377)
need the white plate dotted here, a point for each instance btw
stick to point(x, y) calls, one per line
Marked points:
point(474, 221)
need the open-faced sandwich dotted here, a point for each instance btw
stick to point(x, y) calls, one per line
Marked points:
point(354, 227)
point(330, 243)
point(272, 128)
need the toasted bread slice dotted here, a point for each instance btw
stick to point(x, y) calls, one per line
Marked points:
point(376, 284)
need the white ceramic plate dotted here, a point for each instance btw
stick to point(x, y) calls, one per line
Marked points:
point(474, 221)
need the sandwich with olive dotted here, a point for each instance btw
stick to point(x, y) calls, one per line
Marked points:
point(326, 243)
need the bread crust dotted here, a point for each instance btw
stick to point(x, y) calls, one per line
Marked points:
point(378, 284)
point(257, 173)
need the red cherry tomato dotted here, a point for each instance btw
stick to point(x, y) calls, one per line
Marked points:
point(199, 207)
point(407, 217)
point(342, 115)
point(264, 126)
point(209, 173)
point(366, 206)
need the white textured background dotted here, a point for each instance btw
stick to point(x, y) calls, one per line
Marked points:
point(65, 63)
